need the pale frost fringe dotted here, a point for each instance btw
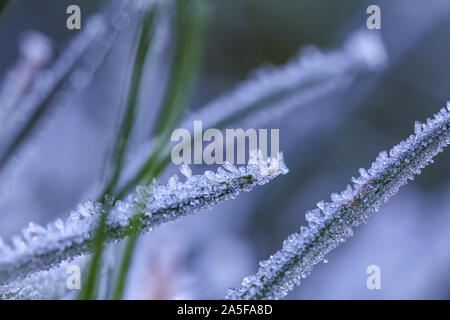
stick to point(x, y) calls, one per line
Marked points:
point(40, 248)
point(332, 222)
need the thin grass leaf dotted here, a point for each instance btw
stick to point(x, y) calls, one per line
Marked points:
point(332, 222)
point(191, 17)
point(190, 36)
point(146, 35)
point(127, 255)
point(40, 248)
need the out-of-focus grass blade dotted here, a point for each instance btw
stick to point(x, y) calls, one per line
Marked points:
point(191, 18)
point(89, 289)
point(120, 148)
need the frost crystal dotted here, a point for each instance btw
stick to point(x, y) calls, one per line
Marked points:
point(40, 248)
point(332, 222)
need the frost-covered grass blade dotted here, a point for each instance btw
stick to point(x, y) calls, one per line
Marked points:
point(332, 222)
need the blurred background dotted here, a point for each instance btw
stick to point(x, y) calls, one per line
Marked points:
point(324, 143)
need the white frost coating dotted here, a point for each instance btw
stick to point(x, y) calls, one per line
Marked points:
point(332, 222)
point(363, 50)
point(40, 248)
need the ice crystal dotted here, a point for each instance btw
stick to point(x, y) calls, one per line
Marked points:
point(40, 248)
point(333, 222)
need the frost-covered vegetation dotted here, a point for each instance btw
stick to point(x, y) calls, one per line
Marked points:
point(332, 222)
point(311, 95)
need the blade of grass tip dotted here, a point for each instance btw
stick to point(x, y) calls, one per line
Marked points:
point(191, 18)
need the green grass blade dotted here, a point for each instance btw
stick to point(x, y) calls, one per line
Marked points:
point(190, 41)
point(120, 148)
point(190, 38)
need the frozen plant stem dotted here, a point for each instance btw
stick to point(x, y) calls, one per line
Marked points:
point(332, 223)
point(41, 248)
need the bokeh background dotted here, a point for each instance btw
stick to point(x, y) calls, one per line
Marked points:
point(200, 256)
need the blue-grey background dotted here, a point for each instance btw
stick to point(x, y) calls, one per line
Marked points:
point(200, 256)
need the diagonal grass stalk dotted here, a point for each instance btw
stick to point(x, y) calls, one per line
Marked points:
point(332, 222)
